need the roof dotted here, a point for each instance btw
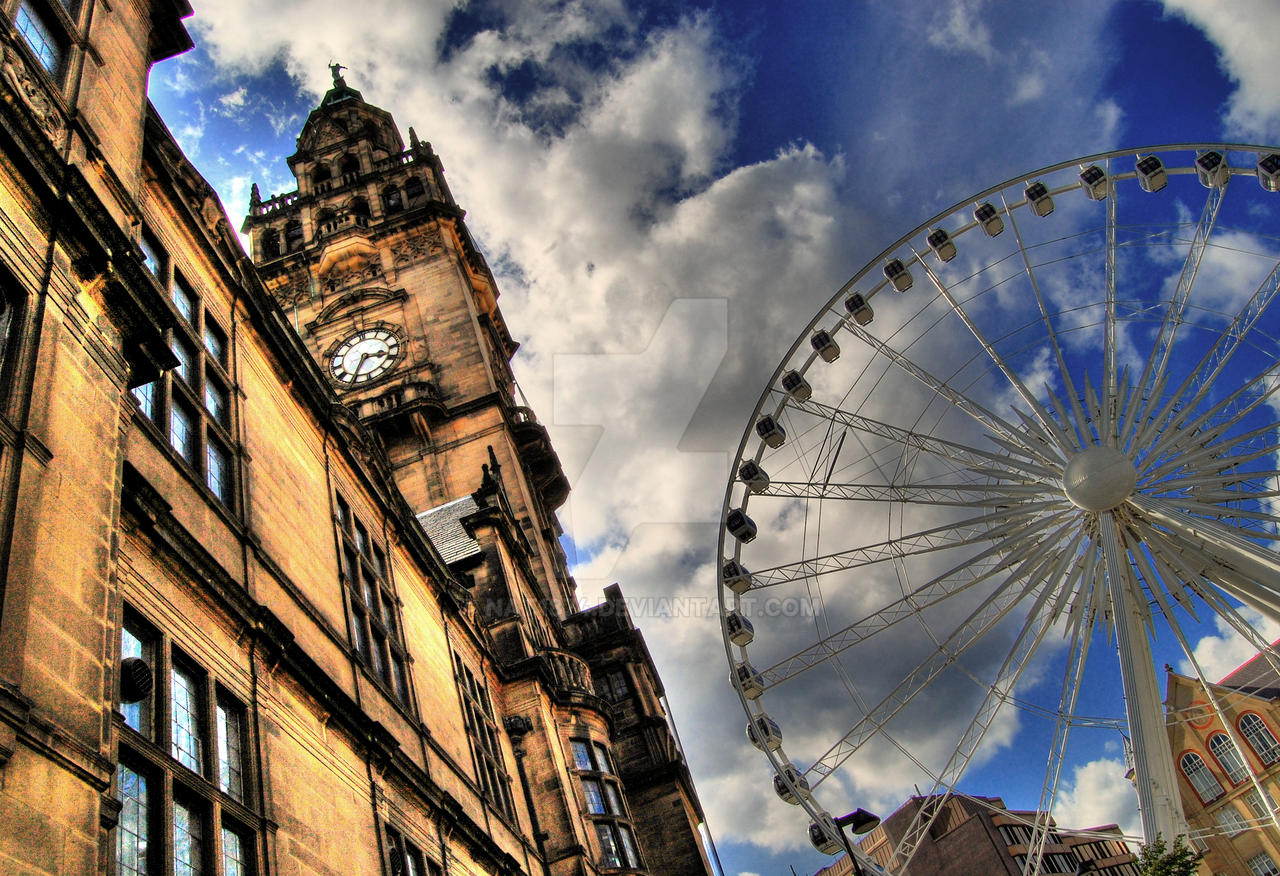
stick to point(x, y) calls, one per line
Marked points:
point(1257, 677)
point(443, 526)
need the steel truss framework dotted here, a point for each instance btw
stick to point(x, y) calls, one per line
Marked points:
point(1048, 464)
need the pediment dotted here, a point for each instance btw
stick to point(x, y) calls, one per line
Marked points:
point(357, 300)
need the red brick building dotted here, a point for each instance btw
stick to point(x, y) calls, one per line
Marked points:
point(979, 836)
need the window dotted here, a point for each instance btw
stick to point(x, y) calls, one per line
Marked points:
point(133, 851)
point(413, 189)
point(292, 235)
point(231, 753)
point(1230, 820)
point(153, 255)
point(613, 685)
point(1259, 808)
point(1260, 739)
point(42, 36)
point(1229, 757)
point(191, 405)
point(482, 729)
point(603, 802)
point(374, 609)
point(406, 859)
point(1015, 834)
point(391, 202)
point(1262, 865)
point(1056, 862)
point(270, 243)
point(349, 167)
point(1197, 772)
point(170, 767)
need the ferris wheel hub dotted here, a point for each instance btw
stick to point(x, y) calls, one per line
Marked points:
point(1099, 478)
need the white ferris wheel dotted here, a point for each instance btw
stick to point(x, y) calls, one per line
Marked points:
point(1022, 458)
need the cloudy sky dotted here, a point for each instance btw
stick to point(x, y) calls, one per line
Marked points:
point(667, 193)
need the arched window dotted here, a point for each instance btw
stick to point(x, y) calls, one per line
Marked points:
point(349, 167)
point(413, 189)
point(1198, 774)
point(1259, 737)
point(324, 221)
point(391, 202)
point(270, 243)
point(360, 209)
point(1229, 756)
point(292, 235)
point(322, 173)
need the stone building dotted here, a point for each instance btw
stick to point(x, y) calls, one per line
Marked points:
point(979, 836)
point(1220, 752)
point(280, 585)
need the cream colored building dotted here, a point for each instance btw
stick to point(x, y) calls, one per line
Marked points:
point(280, 585)
point(1218, 758)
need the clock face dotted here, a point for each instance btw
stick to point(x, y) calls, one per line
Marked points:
point(364, 356)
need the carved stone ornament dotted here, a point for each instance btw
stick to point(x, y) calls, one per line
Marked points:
point(419, 246)
point(292, 293)
point(27, 85)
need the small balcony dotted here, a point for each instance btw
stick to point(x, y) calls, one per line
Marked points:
point(539, 457)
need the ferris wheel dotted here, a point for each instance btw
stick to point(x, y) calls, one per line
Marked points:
point(1024, 456)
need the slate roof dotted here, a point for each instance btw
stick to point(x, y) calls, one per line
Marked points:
point(1255, 677)
point(443, 526)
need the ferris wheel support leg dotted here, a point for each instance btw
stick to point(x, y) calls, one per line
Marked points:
point(1157, 783)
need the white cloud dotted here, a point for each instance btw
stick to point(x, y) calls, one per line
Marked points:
point(627, 245)
point(233, 100)
point(1243, 34)
point(1222, 654)
point(1098, 794)
point(959, 28)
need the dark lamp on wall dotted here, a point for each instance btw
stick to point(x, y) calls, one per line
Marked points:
point(136, 680)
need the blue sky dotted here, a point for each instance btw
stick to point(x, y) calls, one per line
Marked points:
point(667, 193)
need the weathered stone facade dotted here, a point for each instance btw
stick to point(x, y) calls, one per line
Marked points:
point(280, 586)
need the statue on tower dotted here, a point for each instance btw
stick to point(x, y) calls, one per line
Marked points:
point(336, 69)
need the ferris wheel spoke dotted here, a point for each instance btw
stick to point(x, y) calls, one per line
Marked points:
point(1110, 340)
point(974, 458)
point(1243, 628)
point(1217, 512)
point(1081, 429)
point(967, 495)
point(1158, 360)
point(1014, 524)
point(1198, 381)
point(1047, 423)
point(1212, 459)
point(1218, 486)
point(1197, 433)
point(983, 567)
point(1191, 573)
point(993, 610)
point(1087, 595)
point(999, 426)
point(1221, 546)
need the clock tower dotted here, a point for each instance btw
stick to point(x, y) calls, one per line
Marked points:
point(374, 266)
